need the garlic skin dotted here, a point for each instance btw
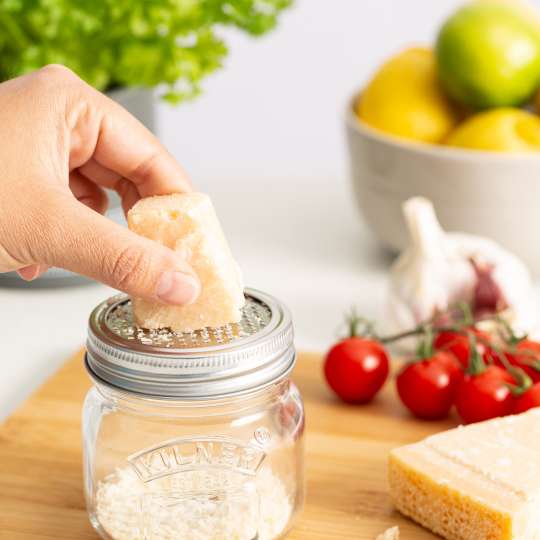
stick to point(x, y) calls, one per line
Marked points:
point(438, 270)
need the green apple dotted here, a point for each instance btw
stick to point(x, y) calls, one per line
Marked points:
point(488, 55)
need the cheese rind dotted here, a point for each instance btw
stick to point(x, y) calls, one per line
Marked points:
point(479, 482)
point(187, 223)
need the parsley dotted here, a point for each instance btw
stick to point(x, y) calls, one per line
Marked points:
point(118, 43)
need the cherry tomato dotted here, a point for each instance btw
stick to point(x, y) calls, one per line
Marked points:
point(484, 396)
point(529, 360)
point(528, 400)
point(458, 344)
point(428, 387)
point(356, 368)
point(454, 367)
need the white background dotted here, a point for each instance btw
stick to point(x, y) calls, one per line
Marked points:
point(266, 140)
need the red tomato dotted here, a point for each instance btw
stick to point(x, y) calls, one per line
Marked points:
point(428, 387)
point(356, 369)
point(529, 361)
point(453, 366)
point(458, 344)
point(484, 396)
point(528, 400)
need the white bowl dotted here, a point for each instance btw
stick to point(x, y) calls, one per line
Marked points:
point(491, 194)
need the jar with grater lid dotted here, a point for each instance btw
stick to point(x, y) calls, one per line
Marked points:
point(193, 435)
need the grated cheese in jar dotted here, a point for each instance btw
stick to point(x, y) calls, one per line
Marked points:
point(202, 504)
point(193, 436)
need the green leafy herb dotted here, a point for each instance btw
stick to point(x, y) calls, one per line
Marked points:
point(117, 43)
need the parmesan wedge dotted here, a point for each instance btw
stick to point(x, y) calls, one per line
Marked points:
point(187, 223)
point(478, 482)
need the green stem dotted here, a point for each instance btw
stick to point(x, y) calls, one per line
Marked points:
point(421, 329)
point(523, 381)
point(359, 326)
point(476, 363)
point(402, 335)
point(353, 326)
point(425, 348)
point(468, 317)
point(528, 357)
point(511, 338)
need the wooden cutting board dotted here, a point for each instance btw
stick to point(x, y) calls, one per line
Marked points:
point(41, 495)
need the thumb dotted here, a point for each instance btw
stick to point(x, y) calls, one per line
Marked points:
point(83, 241)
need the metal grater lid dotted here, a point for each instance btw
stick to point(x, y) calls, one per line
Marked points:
point(208, 363)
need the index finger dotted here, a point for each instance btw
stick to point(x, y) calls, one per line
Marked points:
point(129, 150)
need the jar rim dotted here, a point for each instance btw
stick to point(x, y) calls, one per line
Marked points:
point(137, 400)
point(224, 369)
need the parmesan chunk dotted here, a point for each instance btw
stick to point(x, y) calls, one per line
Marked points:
point(478, 482)
point(187, 223)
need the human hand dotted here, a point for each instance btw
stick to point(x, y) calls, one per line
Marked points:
point(61, 143)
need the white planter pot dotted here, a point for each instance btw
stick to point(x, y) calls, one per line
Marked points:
point(141, 103)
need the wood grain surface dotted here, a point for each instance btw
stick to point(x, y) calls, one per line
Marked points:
point(41, 494)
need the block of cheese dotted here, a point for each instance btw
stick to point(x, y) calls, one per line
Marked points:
point(478, 482)
point(389, 534)
point(187, 223)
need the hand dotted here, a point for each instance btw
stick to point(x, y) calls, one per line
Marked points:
point(61, 143)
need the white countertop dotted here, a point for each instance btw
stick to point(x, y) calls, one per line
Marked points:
point(266, 141)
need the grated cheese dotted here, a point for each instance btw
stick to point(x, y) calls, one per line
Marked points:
point(204, 504)
point(389, 534)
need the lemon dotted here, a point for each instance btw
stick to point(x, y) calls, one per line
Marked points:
point(488, 54)
point(404, 99)
point(499, 130)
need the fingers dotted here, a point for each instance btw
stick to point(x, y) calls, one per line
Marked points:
point(104, 140)
point(99, 174)
point(95, 172)
point(124, 148)
point(87, 192)
point(77, 130)
point(29, 273)
point(128, 194)
point(81, 240)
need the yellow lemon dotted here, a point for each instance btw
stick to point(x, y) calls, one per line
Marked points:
point(404, 99)
point(499, 130)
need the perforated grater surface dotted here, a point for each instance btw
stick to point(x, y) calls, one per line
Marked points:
point(207, 363)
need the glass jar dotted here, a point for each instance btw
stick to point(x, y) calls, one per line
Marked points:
point(193, 436)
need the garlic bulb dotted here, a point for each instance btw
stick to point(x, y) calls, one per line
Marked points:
point(438, 270)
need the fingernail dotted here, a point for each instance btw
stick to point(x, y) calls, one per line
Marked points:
point(29, 273)
point(177, 288)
